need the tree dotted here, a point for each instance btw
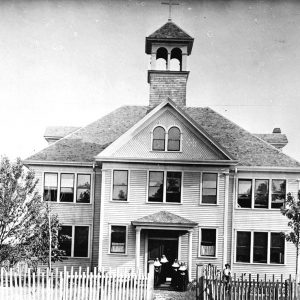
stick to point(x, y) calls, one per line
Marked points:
point(292, 211)
point(44, 244)
point(24, 217)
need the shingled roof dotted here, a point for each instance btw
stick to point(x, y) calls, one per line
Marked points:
point(169, 32)
point(84, 144)
point(164, 218)
point(278, 140)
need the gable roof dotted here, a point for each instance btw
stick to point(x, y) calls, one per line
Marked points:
point(213, 145)
point(164, 218)
point(84, 144)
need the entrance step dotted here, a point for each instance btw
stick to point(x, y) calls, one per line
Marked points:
point(172, 295)
point(164, 287)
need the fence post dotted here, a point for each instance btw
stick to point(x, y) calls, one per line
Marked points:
point(150, 284)
point(200, 282)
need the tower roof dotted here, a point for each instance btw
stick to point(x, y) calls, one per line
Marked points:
point(169, 32)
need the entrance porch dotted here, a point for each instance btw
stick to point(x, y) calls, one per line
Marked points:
point(163, 231)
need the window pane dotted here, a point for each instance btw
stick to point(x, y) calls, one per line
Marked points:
point(65, 239)
point(208, 242)
point(174, 139)
point(120, 185)
point(67, 188)
point(159, 133)
point(83, 188)
point(245, 193)
point(155, 190)
point(243, 246)
point(158, 139)
point(261, 193)
point(173, 187)
point(120, 193)
point(277, 248)
point(50, 186)
point(260, 247)
point(209, 188)
point(278, 193)
point(118, 239)
point(81, 243)
point(173, 145)
point(84, 181)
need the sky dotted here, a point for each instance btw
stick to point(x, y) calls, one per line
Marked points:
point(68, 63)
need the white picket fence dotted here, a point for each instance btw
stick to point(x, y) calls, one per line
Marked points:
point(70, 285)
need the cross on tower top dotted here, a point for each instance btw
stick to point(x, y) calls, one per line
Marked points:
point(170, 3)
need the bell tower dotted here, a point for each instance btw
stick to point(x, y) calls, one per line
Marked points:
point(169, 47)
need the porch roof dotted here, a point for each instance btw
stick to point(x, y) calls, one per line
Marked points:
point(164, 219)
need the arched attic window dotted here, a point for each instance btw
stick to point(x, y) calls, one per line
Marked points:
point(174, 139)
point(161, 58)
point(176, 60)
point(158, 142)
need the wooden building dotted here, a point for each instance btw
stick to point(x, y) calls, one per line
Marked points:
point(168, 179)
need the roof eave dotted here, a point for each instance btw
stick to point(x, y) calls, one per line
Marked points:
point(29, 162)
point(188, 41)
point(268, 169)
point(165, 161)
point(157, 224)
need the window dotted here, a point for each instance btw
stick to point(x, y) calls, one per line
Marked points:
point(120, 185)
point(245, 193)
point(278, 193)
point(208, 242)
point(164, 187)
point(267, 247)
point(173, 187)
point(209, 188)
point(261, 196)
point(174, 139)
point(118, 239)
point(156, 186)
point(67, 188)
point(75, 240)
point(66, 239)
point(81, 241)
point(277, 248)
point(260, 247)
point(158, 139)
point(268, 193)
point(243, 246)
point(50, 186)
point(83, 188)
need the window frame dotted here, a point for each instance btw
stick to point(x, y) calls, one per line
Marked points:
point(165, 186)
point(253, 179)
point(109, 239)
point(112, 186)
point(57, 188)
point(166, 138)
point(200, 239)
point(217, 187)
point(75, 187)
point(60, 186)
point(73, 241)
point(252, 248)
point(180, 139)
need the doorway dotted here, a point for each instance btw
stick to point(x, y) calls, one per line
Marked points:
point(163, 246)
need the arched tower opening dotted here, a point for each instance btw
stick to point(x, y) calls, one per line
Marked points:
point(161, 59)
point(176, 60)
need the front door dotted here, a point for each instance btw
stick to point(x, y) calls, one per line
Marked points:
point(159, 247)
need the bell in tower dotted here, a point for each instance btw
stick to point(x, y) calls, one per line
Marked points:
point(169, 47)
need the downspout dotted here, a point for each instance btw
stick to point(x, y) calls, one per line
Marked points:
point(234, 194)
point(93, 185)
point(225, 218)
point(101, 221)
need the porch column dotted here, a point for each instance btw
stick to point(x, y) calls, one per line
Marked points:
point(190, 253)
point(137, 248)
